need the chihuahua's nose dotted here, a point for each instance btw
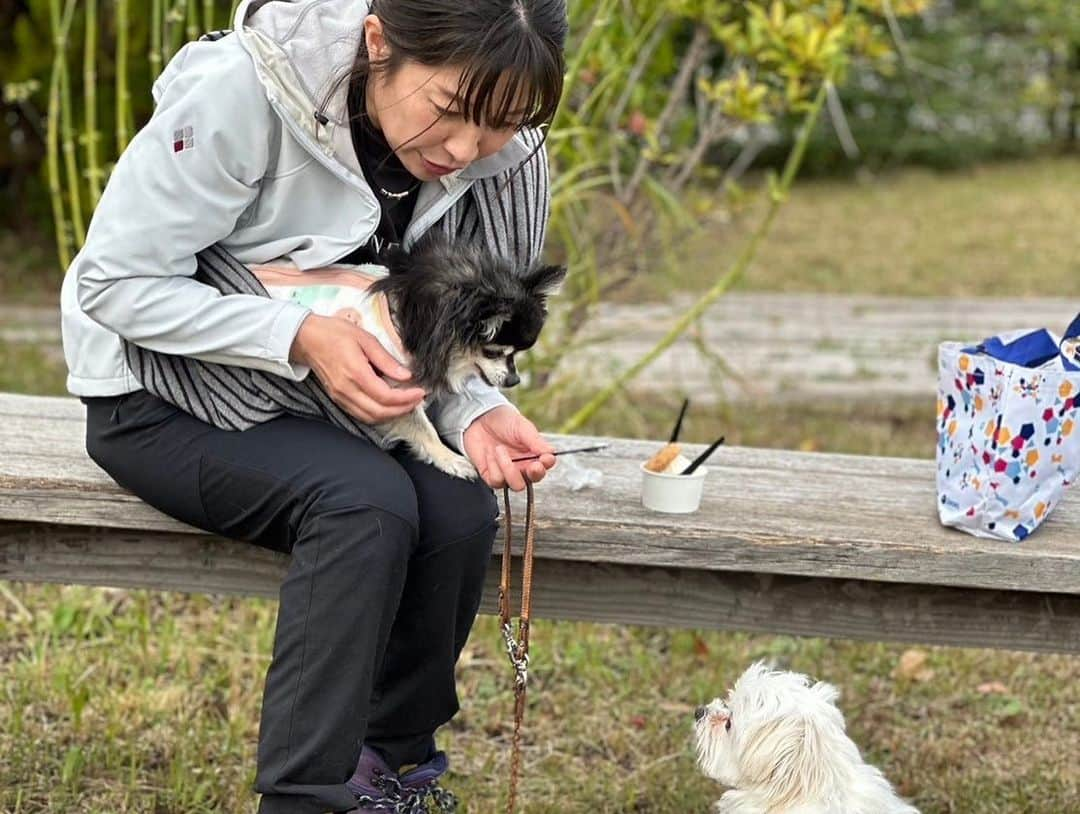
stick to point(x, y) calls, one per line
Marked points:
point(511, 379)
point(699, 713)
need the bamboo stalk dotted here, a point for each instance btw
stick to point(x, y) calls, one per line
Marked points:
point(52, 142)
point(166, 35)
point(192, 28)
point(156, 33)
point(52, 137)
point(123, 94)
point(94, 173)
point(172, 30)
point(67, 132)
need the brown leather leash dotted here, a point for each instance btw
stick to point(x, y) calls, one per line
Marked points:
point(517, 649)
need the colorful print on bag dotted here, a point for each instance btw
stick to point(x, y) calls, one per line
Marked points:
point(1008, 445)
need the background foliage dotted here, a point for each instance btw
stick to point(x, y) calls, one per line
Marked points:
point(651, 83)
point(971, 81)
point(942, 83)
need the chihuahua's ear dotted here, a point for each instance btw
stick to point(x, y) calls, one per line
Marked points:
point(545, 281)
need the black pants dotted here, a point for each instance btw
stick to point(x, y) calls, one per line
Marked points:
point(383, 585)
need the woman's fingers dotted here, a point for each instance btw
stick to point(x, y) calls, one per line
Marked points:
point(393, 401)
point(536, 470)
point(371, 400)
point(365, 408)
point(532, 440)
point(492, 473)
point(511, 473)
point(380, 358)
point(377, 399)
point(342, 356)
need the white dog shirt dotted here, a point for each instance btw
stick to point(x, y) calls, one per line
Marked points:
point(337, 291)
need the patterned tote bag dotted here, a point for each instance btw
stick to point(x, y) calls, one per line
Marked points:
point(1008, 441)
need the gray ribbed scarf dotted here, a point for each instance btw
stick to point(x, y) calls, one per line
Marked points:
point(507, 212)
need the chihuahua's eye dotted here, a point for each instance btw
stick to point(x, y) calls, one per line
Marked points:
point(493, 354)
point(727, 724)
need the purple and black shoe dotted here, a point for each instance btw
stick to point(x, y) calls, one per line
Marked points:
point(377, 787)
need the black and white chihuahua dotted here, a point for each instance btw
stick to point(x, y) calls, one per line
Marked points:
point(460, 312)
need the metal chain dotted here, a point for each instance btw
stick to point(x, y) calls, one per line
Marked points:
point(519, 659)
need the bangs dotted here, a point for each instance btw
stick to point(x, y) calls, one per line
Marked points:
point(512, 83)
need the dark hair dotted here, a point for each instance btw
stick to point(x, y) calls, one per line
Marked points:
point(521, 40)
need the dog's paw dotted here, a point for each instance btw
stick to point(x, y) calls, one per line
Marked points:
point(457, 465)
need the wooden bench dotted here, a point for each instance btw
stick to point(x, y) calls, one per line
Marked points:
point(785, 542)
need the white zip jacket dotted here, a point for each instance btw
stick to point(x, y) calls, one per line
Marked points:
point(235, 155)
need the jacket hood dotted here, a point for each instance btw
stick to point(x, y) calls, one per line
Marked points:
point(303, 51)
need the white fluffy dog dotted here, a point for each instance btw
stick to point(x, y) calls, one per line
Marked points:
point(779, 742)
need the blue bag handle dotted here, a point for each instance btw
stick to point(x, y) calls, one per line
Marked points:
point(1033, 349)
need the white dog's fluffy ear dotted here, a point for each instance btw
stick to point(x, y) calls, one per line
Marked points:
point(826, 692)
point(788, 759)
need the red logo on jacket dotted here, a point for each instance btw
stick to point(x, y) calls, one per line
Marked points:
point(183, 139)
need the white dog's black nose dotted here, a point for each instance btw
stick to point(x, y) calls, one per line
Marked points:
point(699, 713)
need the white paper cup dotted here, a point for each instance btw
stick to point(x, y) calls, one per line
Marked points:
point(675, 494)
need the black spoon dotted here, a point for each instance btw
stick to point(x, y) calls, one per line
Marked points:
point(700, 459)
point(678, 423)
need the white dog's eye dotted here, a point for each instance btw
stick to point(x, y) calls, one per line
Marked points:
point(727, 725)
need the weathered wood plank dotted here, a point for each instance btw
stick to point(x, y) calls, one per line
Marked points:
point(768, 511)
point(583, 591)
point(635, 538)
point(803, 346)
point(14, 405)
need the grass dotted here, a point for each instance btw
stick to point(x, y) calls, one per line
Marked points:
point(1004, 230)
point(135, 701)
point(26, 368)
point(138, 701)
point(28, 273)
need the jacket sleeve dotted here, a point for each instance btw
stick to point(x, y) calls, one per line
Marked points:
point(180, 186)
point(453, 414)
point(515, 235)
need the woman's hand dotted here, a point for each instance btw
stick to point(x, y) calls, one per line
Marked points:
point(499, 435)
point(348, 360)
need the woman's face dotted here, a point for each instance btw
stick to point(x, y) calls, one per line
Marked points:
point(419, 114)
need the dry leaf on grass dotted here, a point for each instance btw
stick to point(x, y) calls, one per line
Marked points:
point(912, 666)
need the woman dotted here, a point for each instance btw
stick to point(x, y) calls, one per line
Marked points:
point(319, 131)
